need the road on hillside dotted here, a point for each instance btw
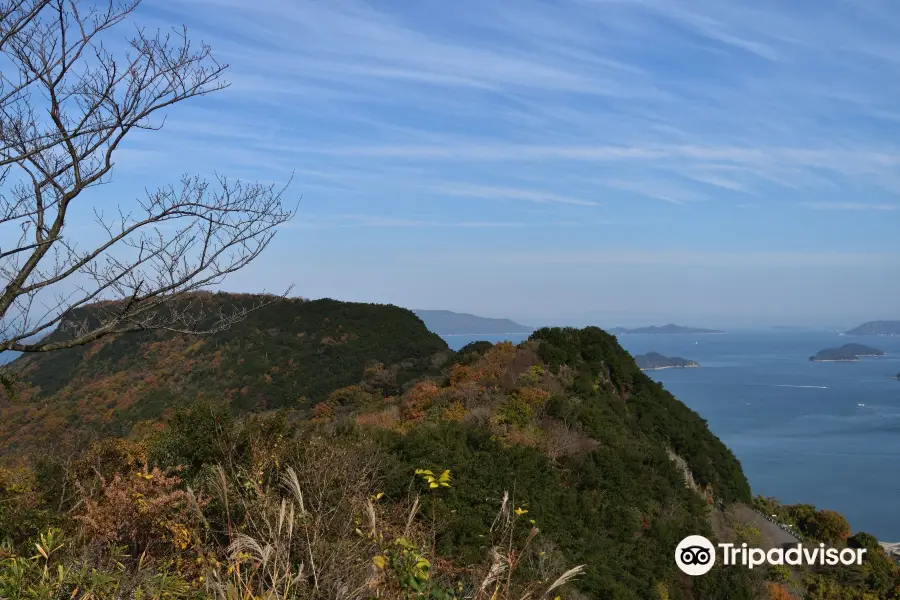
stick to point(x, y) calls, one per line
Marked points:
point(771, 532)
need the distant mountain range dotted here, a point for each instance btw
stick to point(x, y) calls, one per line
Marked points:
point(664, 330)
point(445, 322)
point(876, 328)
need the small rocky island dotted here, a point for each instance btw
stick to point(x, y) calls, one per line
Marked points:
point(653, 361)
point(845, 353)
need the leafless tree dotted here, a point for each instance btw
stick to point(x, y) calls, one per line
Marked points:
point(66, 103)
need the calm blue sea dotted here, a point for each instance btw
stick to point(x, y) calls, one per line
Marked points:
point(820, 433)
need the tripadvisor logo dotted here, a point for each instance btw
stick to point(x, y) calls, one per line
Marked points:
point(696, 555)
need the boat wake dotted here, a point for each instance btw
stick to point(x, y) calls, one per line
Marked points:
point(787, 385)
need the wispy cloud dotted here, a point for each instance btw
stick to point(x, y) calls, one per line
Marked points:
point(850, 206)
point(504, 193)
point(577, 105)
point(374, 221)
point(679, 259)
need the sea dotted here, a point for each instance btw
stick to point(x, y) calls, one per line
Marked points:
point(826, 434)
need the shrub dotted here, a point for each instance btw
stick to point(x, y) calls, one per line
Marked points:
point(146, 512)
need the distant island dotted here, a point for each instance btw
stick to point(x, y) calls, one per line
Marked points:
point(653, 361)
point(664, 330)
point(445, 322)
point(847, 352)
point(876, 328)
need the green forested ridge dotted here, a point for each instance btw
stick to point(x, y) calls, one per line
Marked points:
point(291, 352)
point(581, 440)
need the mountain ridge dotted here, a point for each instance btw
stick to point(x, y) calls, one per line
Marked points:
point(876, 328)
point(669, 329)
point(446, 322)
point(577, 447)
point(289, 352)
point(558, 420)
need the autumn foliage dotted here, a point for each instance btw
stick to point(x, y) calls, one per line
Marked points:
point(776, 591)
point(147, 511)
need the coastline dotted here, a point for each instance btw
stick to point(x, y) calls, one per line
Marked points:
point(858, 356)
point(892, 548)
point(671, 367)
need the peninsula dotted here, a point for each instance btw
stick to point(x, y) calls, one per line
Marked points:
point(653, 361)
point(876, 328)
point(669, 329)
point(845, 353)
point(445, 322)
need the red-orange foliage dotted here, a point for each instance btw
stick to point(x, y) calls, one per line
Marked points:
point(385, 419)
point(536, 398)
point(467, 392)
point(322, 412)
point(145, 511)
point(496, 360)
point(418, 398)
point(460, 374)
point(776, 591)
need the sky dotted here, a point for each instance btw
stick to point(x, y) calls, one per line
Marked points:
point(618, 162)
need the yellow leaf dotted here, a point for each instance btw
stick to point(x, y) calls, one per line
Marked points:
point(520, 511)
point(379, 561)
point(432, 485)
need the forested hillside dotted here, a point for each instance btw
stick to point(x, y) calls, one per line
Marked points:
point(551, 468)
point(289, 352)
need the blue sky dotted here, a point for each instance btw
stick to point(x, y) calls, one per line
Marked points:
point(703, 161)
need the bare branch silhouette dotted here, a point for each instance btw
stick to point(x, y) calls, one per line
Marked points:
point(66, 104)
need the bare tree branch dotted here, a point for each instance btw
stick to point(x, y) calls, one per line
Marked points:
point(66, 105)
